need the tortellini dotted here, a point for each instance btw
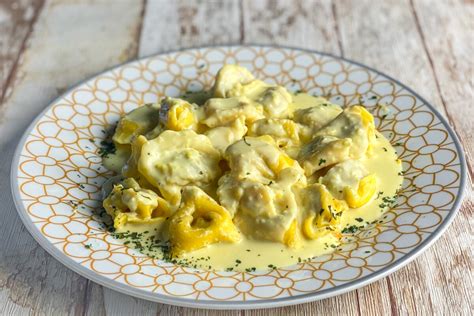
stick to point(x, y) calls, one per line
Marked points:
point(200, 221)
point(129, 202)
point(137, 122)
point(258, 158)
point(323, 211)
point(178, 115)
point(177, 159)
point(251, 161)
point(223, 136)
point(348, 136)
point(353, 123)
point(258, 190)
point(274, 99)
point(350, 181)
point(317, 116)
point(287, 134)
point(235, 81)
point(229, 77)
point(220, 112)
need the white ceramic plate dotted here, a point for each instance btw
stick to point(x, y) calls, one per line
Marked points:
point(56, 176)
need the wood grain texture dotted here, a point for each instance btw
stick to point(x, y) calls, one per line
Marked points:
point(170, 25)
point(386, 38)
point(450, 51)
point(393, 45)
point(417, 42)
point(306, 24)
point(58, 55)
point(16, 22)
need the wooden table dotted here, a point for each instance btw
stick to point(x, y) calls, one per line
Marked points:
point(48, 46)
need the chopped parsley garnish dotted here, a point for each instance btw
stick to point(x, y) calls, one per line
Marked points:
point(350, 230)
point(106, 148)
point(321, 161)
point(388, 201)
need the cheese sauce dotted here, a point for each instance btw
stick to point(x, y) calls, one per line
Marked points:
point(252, 178)
point(248, 254)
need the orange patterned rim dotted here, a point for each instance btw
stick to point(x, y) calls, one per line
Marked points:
point(56, 178)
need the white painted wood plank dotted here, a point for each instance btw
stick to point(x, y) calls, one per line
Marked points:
point(16, 20)
point(120, 304)
point(306, 24)
point(383, 35)
point(171, 25)
point(70, 42)
point(94, 302)
point(387, 38)
point(448, 33)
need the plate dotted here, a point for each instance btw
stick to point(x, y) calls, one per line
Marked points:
point(56, 177)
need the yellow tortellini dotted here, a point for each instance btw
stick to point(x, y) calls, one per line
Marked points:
point(323, 212)
point(128, 202)
point(137, 122)
point(317, 116)
point(364, 192)
point(286, 133)
point(353, 123)
point(323, 151)
point(349, 180)
point(258, 158)
point(251, 161)
point(258, 190)
point(235, 81)
point(220, 112)
point(274, 99)
point(348, 136)
point(177, 159)
point(178, 115)
point(228, 78)
point(223, 136)
point(200, 221)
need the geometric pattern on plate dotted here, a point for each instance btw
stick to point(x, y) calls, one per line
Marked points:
point(60, 175)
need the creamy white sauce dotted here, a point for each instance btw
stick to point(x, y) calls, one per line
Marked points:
point(264, 254)
point(264, 190)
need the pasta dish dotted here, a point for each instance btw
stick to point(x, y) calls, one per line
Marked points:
point(246, 175)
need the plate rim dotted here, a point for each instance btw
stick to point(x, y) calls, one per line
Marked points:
point(251, 304)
